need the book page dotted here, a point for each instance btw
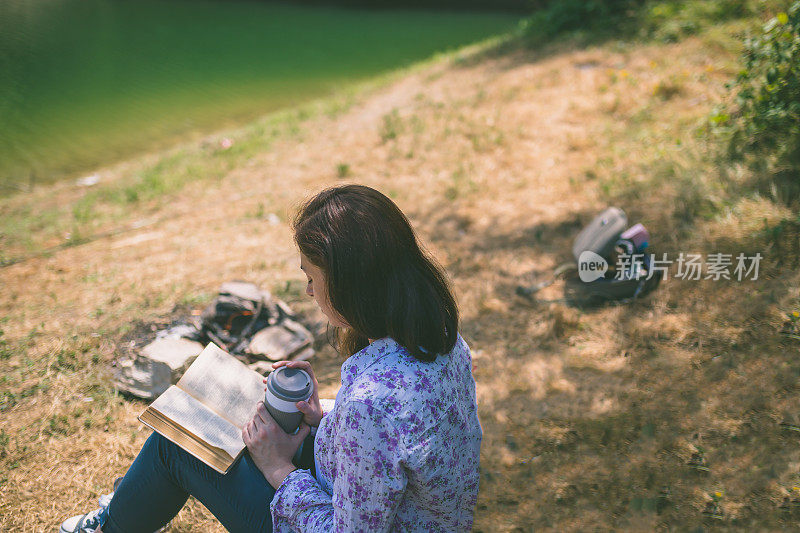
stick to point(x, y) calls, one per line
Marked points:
point(224, 384)
point(186, 411)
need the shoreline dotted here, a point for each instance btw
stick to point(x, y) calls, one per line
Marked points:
point(332, 101)
point(237, 62)
point(76, 206)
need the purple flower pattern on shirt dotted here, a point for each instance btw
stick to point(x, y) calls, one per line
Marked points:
point(400, 448)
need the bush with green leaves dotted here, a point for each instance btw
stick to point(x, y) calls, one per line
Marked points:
point(672, 20)
point(563, 16)
point(662, 20)
point(766, 126)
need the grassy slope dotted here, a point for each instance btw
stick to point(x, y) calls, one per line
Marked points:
point(498, 159)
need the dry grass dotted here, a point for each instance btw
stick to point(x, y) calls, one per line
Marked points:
point(498, 161)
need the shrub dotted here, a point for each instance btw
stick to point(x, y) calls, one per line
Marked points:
point(766, 124)
point(560, 16)
point(662, 20)
point(671, 20)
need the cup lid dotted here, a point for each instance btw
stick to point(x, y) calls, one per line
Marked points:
point(290, 384)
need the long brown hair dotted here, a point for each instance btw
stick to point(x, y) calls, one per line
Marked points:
point(379, 279)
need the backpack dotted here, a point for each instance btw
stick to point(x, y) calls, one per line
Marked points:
point(606, 241)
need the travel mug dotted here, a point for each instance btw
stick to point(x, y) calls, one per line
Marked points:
point(285, 387)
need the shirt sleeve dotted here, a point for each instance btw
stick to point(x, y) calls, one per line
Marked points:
point(369, 479)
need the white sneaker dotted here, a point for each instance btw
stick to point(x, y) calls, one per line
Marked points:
point(89, 522)
point(85, 523)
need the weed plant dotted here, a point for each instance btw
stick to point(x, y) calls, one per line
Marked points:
point(764, 125)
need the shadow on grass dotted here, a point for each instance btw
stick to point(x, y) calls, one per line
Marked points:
point(594, 416)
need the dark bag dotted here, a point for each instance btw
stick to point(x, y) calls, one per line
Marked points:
point(606, 235)
point(631, 283)
point(601, 234)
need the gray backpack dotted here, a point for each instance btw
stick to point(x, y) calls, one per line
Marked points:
point(607, 237)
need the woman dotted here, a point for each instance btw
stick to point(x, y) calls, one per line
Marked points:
point(398, 451)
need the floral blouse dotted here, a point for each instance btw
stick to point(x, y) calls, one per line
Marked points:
point(399, 450)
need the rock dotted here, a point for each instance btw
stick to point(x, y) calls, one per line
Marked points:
point(178, 331)
point(286, 340)
point(175, 352)
point(272, 334)
point(262, 367)
point(243, 289)
point(157, 366)
point(88, 181)
point(284, 308)
point(303, 355)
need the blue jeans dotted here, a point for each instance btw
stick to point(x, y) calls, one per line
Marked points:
point(163, 476)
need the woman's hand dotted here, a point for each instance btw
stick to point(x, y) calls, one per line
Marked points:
point(270, 446)
point(312, 410)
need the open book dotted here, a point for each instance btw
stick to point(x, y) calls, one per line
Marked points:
point(204, 413)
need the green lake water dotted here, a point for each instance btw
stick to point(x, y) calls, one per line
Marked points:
point(88, 82)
